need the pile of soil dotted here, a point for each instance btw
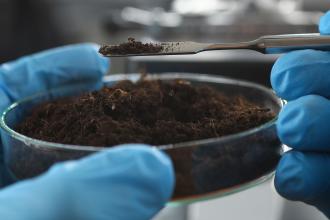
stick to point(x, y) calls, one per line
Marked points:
point(130, 47)
point(158, 113)
point(153, 112)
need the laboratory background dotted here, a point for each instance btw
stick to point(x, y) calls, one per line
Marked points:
point(29, 26)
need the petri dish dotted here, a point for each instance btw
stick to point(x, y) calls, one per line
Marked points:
point(204, 169)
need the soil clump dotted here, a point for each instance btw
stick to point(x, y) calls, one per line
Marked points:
point(130, 47)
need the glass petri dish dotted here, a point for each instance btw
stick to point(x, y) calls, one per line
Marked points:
point(204, 169)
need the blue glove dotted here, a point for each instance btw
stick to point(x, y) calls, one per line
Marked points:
point(80, 66)
point(303, 78)
point(124, 183)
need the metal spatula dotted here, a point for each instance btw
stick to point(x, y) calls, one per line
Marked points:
point(267, 44)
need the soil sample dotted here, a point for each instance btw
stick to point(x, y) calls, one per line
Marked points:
point(130, 47)
point(152, 112)
point(160, 113)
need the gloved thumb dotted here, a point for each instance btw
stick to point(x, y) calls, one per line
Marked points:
point(124, 183)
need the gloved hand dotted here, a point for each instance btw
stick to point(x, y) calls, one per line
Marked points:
point(122, 183)
point(303, 78)
point(79, 66)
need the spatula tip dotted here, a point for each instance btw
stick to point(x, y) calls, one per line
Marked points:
point(130, 47)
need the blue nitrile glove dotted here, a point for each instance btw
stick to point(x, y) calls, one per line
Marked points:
point(121, 184)
point(303, 78)
point(79, 66)
point(124, 183)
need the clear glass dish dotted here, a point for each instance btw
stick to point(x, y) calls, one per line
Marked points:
point(204, 169)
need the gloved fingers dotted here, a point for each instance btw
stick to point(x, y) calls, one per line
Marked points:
point(74, 64)
point(304, 176)
point(324, 26)
point(122, 183)
point(127, 182)
point(303, 124)
point(301, 73)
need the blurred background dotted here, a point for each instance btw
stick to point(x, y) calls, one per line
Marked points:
point(31, 25)
point(28, 26)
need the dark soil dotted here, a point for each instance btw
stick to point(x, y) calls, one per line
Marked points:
point(157, 113)
point(130, 47)
point(152, 112)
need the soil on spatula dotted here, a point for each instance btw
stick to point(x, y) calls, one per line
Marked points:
point(130, 47)
point(152, 112)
